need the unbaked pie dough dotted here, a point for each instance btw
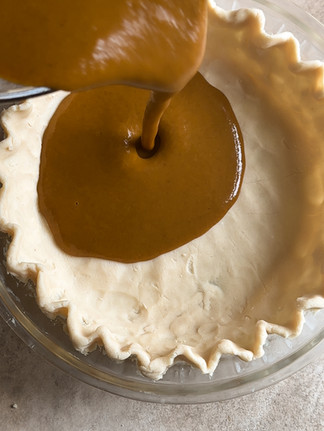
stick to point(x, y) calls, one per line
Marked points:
point(252, 274)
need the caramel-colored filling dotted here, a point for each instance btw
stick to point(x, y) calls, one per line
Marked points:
point(105, 189)
point(101, 199)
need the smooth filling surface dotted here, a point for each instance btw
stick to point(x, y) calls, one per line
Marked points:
point(101, 199)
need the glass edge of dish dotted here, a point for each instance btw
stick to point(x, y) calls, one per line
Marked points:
point(299, 17)
point(21, 93)
point(154, 391)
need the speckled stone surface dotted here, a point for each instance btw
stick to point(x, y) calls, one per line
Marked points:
point(36, 396)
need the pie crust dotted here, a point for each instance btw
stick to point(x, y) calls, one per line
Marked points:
point(252, 274)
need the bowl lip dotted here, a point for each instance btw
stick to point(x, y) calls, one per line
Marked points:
point(166, 392)
point(19, 93)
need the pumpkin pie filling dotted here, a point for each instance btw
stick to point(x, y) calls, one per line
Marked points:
point(99, 190)
point(101, 199)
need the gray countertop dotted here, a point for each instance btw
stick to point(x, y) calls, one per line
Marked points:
point(34, 395)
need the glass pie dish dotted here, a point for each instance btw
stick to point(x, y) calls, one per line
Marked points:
point(182, 383)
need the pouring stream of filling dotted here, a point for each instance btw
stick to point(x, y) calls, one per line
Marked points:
point(105, 189)
point(80, 44)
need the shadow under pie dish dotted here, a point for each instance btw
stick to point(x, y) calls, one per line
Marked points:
point(260, 266)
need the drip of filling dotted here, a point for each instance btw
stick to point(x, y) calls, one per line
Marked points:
point(101, 199)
